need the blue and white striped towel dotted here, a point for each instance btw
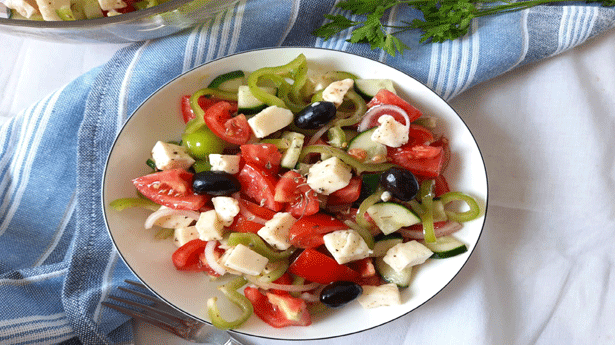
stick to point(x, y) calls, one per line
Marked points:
point(56, 261)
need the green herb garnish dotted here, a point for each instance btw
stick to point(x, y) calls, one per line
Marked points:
point(442, 20)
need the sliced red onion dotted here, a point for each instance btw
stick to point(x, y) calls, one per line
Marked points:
point(283, 287)
point(212, 261)
point(443, 230)
point(310, 298)
point(379, 110)
point(165, 211)
point(319, 133)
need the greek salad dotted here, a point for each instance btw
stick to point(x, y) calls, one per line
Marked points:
point(59, 10)
point(310, 190)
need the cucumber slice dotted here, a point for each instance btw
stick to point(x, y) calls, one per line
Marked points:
point(91, 8)
point(291, 155)
point(228, 81)
point(401, 279)
point(65, 13)
point(368, 88)
point(446, 247)
point(248, 104)
point(390, 217)
point(385, 243)
point(338, 75)
point(364, 142)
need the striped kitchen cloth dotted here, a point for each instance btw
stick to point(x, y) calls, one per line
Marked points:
point(57, 262)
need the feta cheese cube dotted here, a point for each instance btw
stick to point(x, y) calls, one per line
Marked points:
point(325, 177)
point(173, 221)
point(406, 254)
point(185, 235)
point(170, 156)
point(209, 226)
point(275, 231)
point(269, 120)
point(390, 132)
point(226, 163)
point(386, 196)
point(245, 260)
point(335, 91)
point(226, 208)
point(379, 296)
point(346, 246)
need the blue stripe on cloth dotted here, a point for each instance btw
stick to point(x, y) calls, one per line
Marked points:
point(52, 155)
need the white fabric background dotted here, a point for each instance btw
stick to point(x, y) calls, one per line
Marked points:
point(543, 270)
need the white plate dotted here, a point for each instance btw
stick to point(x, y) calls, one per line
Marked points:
point(158, 118)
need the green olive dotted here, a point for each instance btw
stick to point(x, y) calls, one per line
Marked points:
point(202, 142)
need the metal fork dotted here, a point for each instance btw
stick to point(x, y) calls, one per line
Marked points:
point(164, 316)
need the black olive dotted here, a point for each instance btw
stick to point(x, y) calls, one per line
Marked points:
point(339, 293)
point(215, 183)
point(315, 115)
point(401, 183)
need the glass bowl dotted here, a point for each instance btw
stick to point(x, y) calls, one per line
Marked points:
point(162, 20)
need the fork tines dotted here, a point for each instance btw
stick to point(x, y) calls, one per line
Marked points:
point(169, 319)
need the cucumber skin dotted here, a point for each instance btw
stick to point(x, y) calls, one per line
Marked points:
point(221, 79)
point(366, 94)
point(450, 253)
point(401, 279)
point(443, 253)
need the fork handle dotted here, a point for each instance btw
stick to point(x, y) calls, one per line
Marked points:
point(232, 341)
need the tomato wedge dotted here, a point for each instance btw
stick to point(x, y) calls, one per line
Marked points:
point(187, 257)
point(318, 267)
point(348, 194)
point(259, 185)
point(419, 135)
point(425, 161)
point(204, 102)
point(292, 188)
point(385, 96)
point(308, 231)
point(219, 119)
point(261, 212)
point(171, 188)
point(242, 224)
point(278, 310)
point(265, 156)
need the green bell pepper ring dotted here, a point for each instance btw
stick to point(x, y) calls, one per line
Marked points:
point(337, 137)
point(199, 114)
point(230, 291)
point(124, 203)
point(367, 203)
point(291, 69)
point(345, 157)
point(254, 242)
point(363, 232)
point(426, 195)
point(359, 107)
point(471, 214)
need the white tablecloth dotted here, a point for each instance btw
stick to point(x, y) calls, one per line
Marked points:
point(543, 270)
